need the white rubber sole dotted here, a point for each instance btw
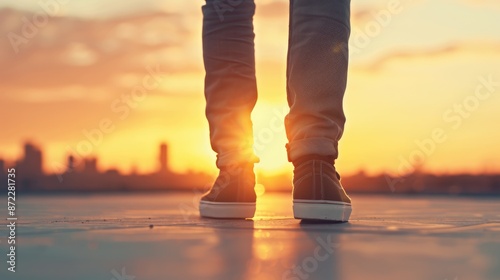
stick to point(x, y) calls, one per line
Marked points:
point(321, 210)
point(227, 210)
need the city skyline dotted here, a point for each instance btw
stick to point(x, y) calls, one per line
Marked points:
point(84, 175)
point(32, 164)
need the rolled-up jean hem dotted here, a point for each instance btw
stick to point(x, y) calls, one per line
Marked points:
point(235, 157)
point(311, 146)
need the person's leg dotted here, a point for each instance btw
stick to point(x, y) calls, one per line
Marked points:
point(230, 84)
point(316, 76)
point(231, 94)
point(316, 81)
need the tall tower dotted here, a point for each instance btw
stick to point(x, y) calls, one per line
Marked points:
point(32, 161)
point(71, 164)
point(163, 158)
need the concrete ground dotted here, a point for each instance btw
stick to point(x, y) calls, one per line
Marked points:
point(161, 236)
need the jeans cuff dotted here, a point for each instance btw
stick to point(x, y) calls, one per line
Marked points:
point(311, 146)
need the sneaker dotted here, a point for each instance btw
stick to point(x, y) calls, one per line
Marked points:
point(317, 192)
point(232, 196)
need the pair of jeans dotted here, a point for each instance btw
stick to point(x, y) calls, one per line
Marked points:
point(316, 77)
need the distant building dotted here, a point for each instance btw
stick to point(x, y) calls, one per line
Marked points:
point(163, 158)
point(71, 164)
point(31, 164)
point(90, 165)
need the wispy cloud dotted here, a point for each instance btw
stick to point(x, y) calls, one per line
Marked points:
point(71, 51)
point(476, 47)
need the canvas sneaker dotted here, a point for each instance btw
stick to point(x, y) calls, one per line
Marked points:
point(232, 196)
point(317, 192)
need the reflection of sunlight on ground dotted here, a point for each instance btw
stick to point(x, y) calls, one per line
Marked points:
point(272, 206)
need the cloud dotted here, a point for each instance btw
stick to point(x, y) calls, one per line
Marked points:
point(478, 47)
point(361, 13)
point(68, 51)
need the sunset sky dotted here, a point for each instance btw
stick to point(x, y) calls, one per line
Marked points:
point(424, 83)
